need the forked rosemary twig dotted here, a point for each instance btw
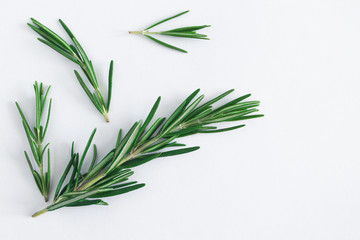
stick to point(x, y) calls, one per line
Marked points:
point(185, 32)
point(77, 54)
point(143, 143)
point(36, 138)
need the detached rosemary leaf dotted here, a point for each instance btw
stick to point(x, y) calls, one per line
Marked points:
point(143, 143)
point(184, 32)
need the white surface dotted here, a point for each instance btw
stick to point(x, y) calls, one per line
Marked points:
point(294, 174)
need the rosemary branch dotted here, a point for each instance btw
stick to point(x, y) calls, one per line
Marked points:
point(141, 144)
point(184, 32)
point(75, 53)
point(36, 137)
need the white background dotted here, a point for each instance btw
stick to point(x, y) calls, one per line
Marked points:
point(294, 174)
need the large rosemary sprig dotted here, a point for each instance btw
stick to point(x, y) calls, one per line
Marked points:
point(143, 143)
point(36, 138)
point(76, 54)
point(185, 32)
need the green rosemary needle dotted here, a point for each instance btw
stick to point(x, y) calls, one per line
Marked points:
point(76, 54)
point(185, 32)
point(143, 143)
point(36, 138)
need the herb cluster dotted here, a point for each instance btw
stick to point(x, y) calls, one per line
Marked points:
point(145, 141)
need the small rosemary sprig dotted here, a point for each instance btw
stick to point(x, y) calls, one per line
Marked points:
point(143, 143)
point(36, 138)
point(185, 32)
point(76, 54)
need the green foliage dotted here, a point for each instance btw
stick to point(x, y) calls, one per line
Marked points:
point(36, 137)
point(144, 142)
point(184, 32)
point(76, 54)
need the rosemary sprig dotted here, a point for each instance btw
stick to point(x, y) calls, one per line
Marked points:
point(76, 54)
point(143, 143)
point(36, 138)
point(185, 32)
